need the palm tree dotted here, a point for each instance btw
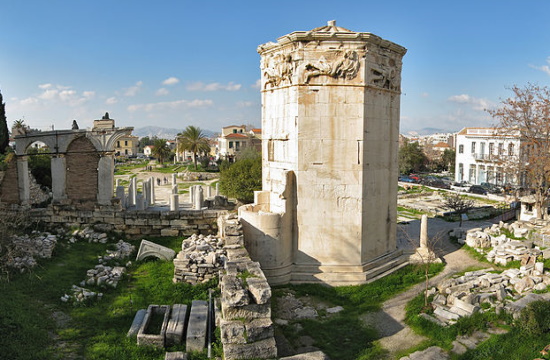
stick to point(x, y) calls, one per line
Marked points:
point(161, 150)
point(192, 139)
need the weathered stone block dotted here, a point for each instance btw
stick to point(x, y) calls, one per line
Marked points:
point(147, 335)
point(264, 349)
point(196, 330)
point(259, 289)
point(136, 324)
point(252, 311)
point(176, 325)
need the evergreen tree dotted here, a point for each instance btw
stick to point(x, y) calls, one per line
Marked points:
point(4, 134)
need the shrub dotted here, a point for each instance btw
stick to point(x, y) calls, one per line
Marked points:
point(535, 318)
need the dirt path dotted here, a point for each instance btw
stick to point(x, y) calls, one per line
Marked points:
point(390, 320)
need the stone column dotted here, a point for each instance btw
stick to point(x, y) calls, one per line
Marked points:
point(140, 202)
point(59, 178)
point(147, 192)
point(192, 195)
point(424, 232)
point(23, 180)
point(121, 195)
point(175, 190)
point(174, 202)
point(132, 192)
point(208, 191)
point(174, 179)
point(217, 189)
point(152, 189)
point(199, 198)
point(105, 179)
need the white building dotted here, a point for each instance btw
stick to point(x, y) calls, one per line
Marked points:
point(235, 139)
point(480, 153)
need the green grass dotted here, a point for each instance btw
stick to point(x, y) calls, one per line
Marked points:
point(97, 331)
point(343, 336)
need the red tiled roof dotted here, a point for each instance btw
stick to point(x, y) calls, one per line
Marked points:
point(236, 135)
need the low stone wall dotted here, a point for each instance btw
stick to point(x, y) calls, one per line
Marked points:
point(247, 331)
point(131, 223)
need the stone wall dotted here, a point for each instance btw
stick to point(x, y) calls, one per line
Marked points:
point(9, 191)
point(82, 180)
point(247, 331)
point(132, 223)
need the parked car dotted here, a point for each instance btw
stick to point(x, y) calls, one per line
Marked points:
point(491, 188)
point(461, 186)
point(434, 182)
point(415, 177)
point(478, 189)
point(405, 178)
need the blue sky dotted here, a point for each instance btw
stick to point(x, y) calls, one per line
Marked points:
point(176, 63)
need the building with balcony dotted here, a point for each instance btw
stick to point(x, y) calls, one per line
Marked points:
point(127, 146)
point(235, 139)
point(481, 154)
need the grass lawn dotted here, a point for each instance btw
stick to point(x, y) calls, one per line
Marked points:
point(344, 336)
point(29, 303)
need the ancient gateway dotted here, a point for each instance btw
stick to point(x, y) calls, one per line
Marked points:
point(330, 125)
point(82, 165)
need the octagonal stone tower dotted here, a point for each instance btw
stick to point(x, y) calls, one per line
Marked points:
point(330, 128)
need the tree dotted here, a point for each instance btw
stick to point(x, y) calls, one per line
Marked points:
point(161, 150)
point(242, 178)
point(448, 159)
point(4, 133)
point(411, 157)
point(193, 139)
point(460, 204)
point(526, 115)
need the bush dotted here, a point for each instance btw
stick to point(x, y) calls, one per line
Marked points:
point(242, 178)
point(535, 318)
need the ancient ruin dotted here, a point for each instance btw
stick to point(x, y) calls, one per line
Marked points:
point(330, 126)
point(82, 165)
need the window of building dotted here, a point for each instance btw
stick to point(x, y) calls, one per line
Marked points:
point(234, 131)
point(237, 145)
point(500, 148)
point(118, 144)
point(491, 148)
point(460, 171)
point(473, 147)
point(231, 144)
point(125, 151)
point(125, 143)
point(510, 149)
point(472, 174)
point(461, 149)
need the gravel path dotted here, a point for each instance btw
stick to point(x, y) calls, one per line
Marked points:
point(390, 320)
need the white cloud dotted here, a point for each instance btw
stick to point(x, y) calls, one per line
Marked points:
point(111, 101)
point(257, 84)
point(162, 92)
point(133, 90)
point(543, 68)
point(171, 81)
point(45, 86)
point(170, 105)
point(200, 86)
point(244, 104)
point(59, 93)
point(476, 103)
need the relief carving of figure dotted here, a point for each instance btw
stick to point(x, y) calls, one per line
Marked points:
point(386, 76)
point(280, 69)
point(347, 67)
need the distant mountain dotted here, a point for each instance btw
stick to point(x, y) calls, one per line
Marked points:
point(164, 133)
point(430, 131)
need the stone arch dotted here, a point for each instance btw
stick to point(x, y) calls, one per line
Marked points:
point(82, 161)
point(150, 249)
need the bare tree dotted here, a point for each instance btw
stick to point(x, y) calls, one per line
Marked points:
point(526, 116)
point(460, 204)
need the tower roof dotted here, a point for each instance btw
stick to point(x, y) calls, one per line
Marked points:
point(331, 32)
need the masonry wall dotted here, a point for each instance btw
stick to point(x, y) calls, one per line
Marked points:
point(133, 223)
point(82, 164)
point(9, 192)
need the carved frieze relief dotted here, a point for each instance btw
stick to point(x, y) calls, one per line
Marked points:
point(386, 74)
point(345, 66)
point(277, 69)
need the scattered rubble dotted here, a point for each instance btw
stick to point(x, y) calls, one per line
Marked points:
point(27, 248)
point(200, 259)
